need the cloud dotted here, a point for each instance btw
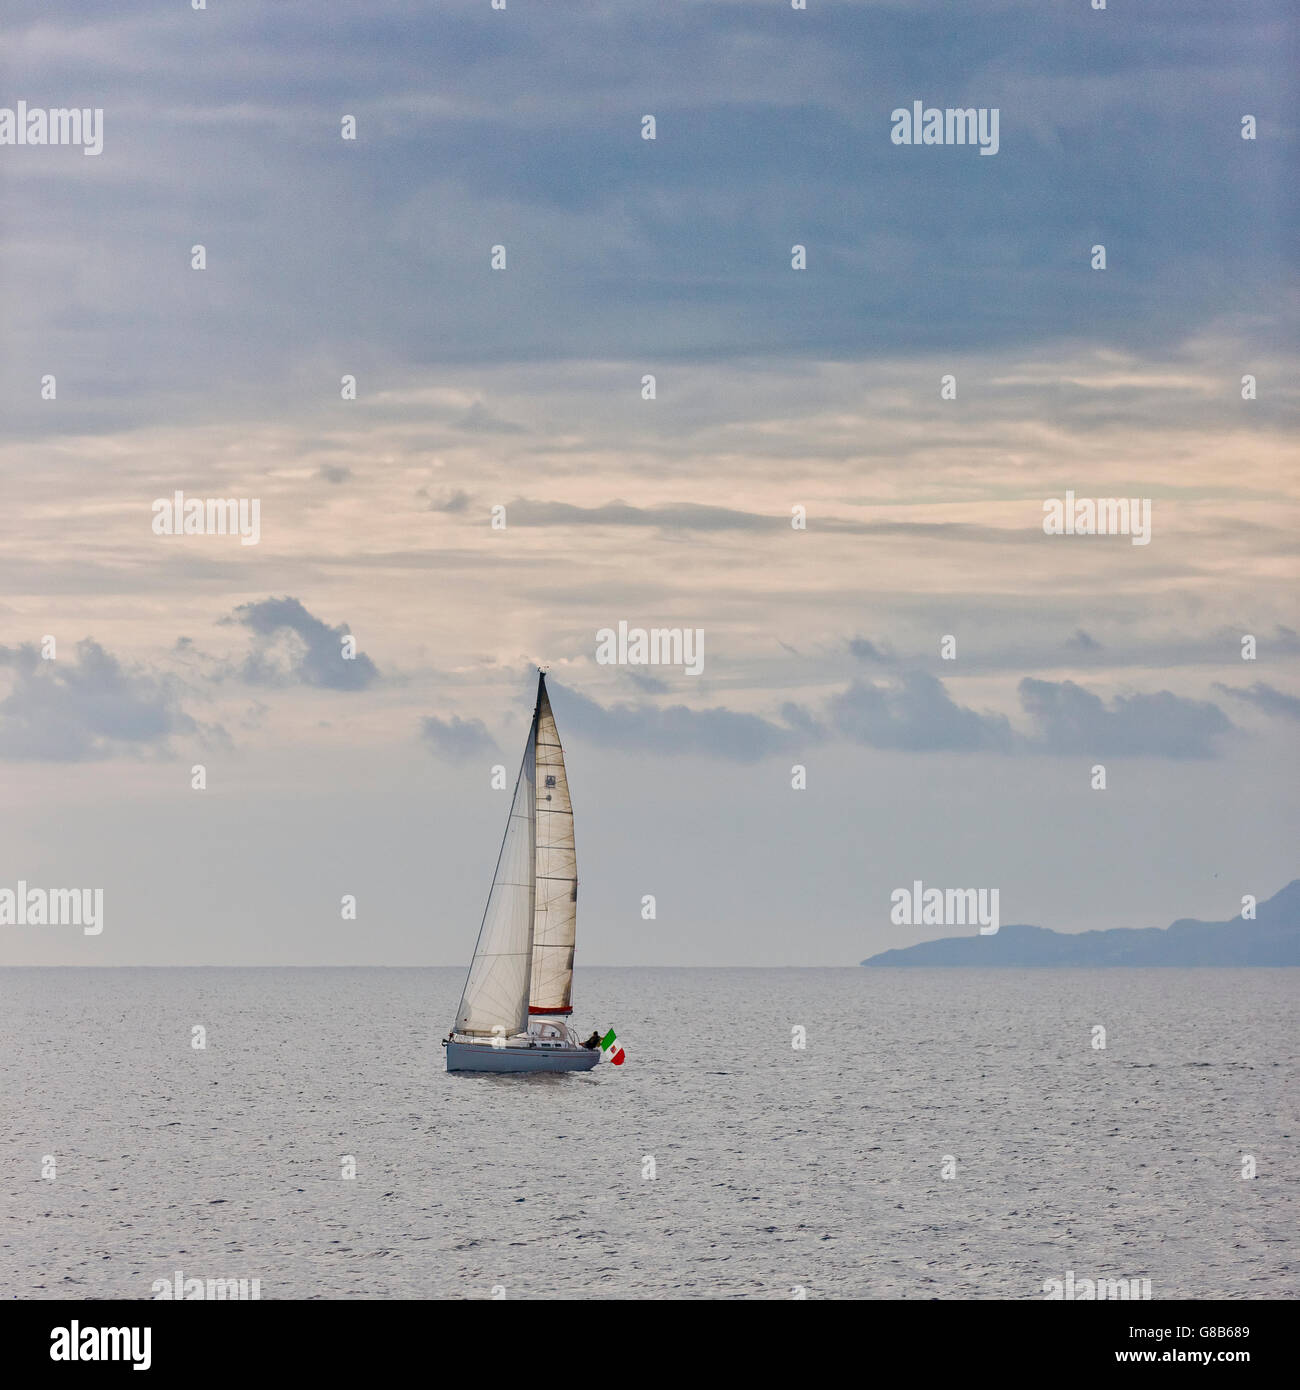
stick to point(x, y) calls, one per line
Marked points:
point(695, 516)
point(455, 502)
point(296, 648)
point(644, 681)
point(686, 516)
point(479, 417)
point(605, 234)
point(916, 714)
point(869, 651)
point(1028, 641)
point(803, 721)
point(1069, 719)
point(717, 732)
point(334, 472)
point(89, 707)
point(456, 739)
point(1264, 697)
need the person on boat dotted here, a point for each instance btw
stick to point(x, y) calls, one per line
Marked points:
point(593, 1041)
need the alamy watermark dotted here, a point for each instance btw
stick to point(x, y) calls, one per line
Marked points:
point(657, 646)
point(179, 1287)
point(1098, 516)
point(945, 907)
point(178, 515)
point(52, 907)
point(951, 125)
point(1071, 1288)
point(77, 1343)
point(23, 125)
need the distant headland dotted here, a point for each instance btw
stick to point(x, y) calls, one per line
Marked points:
point(1272, 938)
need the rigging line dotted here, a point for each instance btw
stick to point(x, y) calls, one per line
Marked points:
point(523, 762)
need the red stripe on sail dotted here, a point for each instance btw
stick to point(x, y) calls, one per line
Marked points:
point(559, 1009)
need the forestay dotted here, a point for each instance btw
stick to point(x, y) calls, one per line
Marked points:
point(497, 990)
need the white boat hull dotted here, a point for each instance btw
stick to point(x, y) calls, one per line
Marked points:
point(467, 1056)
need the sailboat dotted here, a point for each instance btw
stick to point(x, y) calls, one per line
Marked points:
point(518, 995)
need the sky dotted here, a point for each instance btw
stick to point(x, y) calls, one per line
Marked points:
point(779, 395)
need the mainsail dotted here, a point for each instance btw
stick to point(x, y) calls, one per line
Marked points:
point(496, 992)
point(555, 920)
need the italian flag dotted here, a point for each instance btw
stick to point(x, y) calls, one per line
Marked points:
point(613, 1049)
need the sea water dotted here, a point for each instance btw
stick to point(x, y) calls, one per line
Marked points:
point(940, 1133)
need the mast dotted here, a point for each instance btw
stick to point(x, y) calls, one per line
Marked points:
point(555, 917)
